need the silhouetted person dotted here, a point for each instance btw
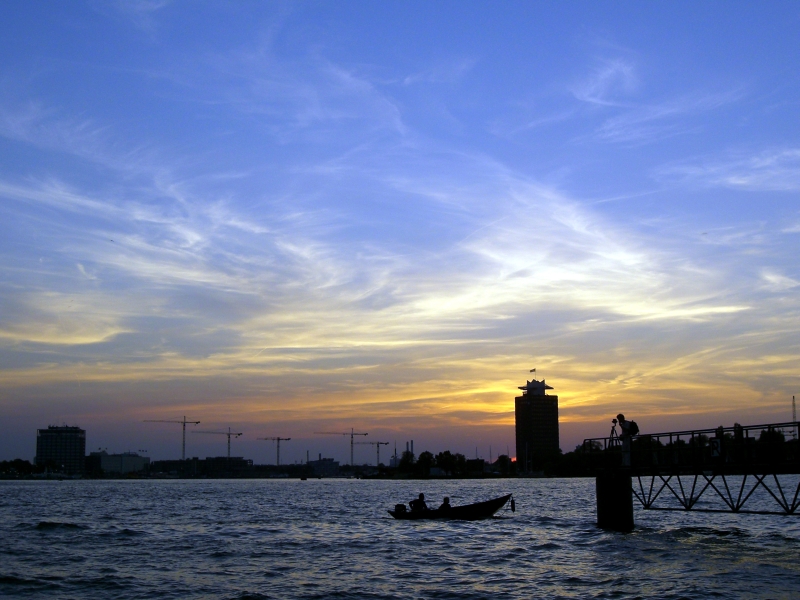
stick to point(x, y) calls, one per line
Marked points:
point(624, 426)
point(625, 437)
point(418, 504)
point(446, 504)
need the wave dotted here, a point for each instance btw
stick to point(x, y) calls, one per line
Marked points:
point(709, 531)
point(21, 582)
point(47, 525)
point(105, 582)
point(281, 544)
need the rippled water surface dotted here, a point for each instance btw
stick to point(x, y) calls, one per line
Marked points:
point(334, 539)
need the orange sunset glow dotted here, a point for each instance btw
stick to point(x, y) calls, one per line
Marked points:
point(282, 234)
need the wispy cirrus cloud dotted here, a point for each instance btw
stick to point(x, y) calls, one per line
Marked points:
point(777, 282)
point(306, 297)
point(35, 124)
point(46, 128)
point(768, 170)
point(616, 86)
point(541, 250)
point(441, 72)
point(53, 318)
point(647, 123)
point(611, 83)
point(615, 98)
point(294, 100)
point(142, 14)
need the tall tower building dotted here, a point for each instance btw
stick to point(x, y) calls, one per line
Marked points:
point(536, 415)
point(62, 449)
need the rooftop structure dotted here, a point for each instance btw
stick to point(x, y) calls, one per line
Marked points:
point(535, 388)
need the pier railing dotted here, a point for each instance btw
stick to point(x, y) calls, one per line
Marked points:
point(743, 469)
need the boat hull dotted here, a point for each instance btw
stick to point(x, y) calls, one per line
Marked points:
point(468, 512)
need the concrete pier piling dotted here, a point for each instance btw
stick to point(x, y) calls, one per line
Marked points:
point(614, 500)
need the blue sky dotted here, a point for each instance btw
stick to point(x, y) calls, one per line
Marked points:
point(287, 216)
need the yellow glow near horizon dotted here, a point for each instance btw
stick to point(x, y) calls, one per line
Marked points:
point(394, 281)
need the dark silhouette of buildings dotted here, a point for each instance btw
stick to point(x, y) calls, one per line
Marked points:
point(536, 415)
point(102, 462)
point(61, 449)
point(212, 466)
point(324, 467)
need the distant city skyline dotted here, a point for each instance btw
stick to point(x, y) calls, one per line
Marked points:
point(291, 217)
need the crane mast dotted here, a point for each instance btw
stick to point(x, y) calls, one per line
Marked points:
point(184, 422)
point(277, 441)
point(377, 448)
point(229, 433)
point(352, 434)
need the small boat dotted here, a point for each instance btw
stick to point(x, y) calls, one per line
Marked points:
point(467, 512)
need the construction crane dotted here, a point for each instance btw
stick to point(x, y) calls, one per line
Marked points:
point(377, 448)
point(352, 434)
point(278, 441)
point(184, 422)
point(229, 433)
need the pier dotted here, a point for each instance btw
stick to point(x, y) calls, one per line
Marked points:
point(750, 469)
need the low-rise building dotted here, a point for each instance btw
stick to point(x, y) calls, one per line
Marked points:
point(324, 467)
point(226, 465)
point(190, 467)
point(121, 464)
point(211, 466)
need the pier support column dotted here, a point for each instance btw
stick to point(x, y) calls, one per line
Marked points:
point(614, 500)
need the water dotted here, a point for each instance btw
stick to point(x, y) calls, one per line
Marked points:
point(333, 539)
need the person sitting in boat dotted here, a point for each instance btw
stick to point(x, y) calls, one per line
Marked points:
point(418, 504)
point(446, 504)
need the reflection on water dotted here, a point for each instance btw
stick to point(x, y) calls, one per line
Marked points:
point(334, 539)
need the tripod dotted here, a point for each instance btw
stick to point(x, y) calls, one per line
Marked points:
point(613, 437)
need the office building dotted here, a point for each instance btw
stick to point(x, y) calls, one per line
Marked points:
point(536, 415)
point(61, 449)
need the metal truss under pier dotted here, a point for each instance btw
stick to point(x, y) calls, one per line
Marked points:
point(734, 496)
point(752, 469)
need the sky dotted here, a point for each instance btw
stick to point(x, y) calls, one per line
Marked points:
point(295, 217)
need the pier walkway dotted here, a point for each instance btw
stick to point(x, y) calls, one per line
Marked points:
point(741, 469)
